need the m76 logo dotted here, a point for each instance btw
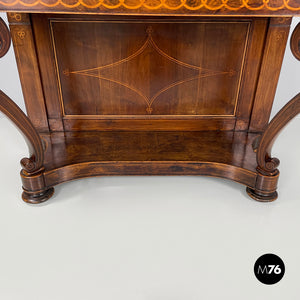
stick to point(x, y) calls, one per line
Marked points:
point(269, 269)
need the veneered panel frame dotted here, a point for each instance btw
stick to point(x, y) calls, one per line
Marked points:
point(200, 85)
point(58, 121)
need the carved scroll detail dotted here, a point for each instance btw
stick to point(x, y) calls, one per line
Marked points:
point(295, 42)
point(4, 38)
point(33, 164)
point(266, 164)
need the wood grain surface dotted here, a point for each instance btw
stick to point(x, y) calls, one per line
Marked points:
point(149, 73)
point(160, 7)
point(74, 155)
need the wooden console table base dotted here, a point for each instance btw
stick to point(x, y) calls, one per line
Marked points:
point(149, 88)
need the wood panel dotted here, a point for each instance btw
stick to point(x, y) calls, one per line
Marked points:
point(146, 68)
point(156, 70)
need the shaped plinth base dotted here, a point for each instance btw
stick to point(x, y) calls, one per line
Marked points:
point(37, 197)
point(260, 196)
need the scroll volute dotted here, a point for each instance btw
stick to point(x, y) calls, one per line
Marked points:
point(295, 42)
point(4, 38)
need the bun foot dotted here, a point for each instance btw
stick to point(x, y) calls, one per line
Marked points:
point(261, 196)
point(37, 197)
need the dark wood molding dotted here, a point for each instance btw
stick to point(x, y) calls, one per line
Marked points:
point(295, 42)
point(33, 164)
point(5, 39)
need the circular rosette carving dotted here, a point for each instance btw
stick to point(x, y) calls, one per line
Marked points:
point(295, 42)
point(28, 164)
point(4, 38)
point(272, 164)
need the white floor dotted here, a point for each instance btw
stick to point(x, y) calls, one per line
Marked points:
point(152, 238)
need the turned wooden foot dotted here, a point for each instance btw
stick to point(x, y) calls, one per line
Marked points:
point(37, 196)
point(261, 196)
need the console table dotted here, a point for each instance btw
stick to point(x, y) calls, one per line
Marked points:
point(149, 87)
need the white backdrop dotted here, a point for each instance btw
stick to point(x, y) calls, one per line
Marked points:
point(288, 86)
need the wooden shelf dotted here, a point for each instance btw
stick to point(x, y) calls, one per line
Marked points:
point(73, 155)
point(224, 147)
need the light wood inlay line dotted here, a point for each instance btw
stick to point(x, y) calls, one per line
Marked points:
point(150, 43)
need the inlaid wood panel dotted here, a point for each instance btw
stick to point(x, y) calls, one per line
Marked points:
point(165, 74)
point(136, 69)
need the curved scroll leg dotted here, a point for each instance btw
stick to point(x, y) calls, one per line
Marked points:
point(32, 172)
point(266, 164)
point(34, 187)
point(268, 173)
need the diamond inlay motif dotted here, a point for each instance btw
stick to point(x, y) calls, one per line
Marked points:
point(149, 83)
